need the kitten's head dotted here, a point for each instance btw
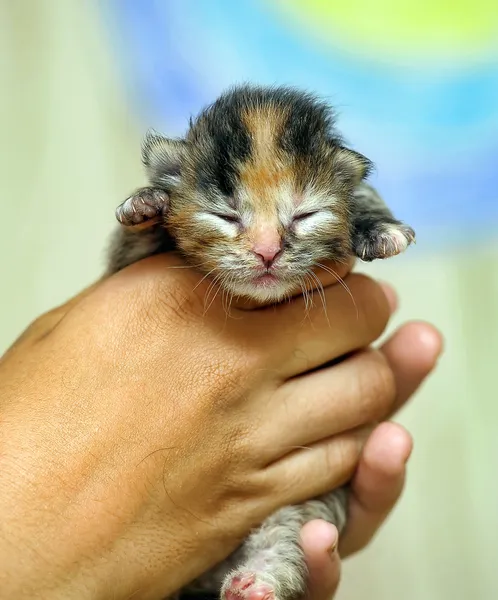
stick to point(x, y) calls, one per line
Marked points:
point(260, 189)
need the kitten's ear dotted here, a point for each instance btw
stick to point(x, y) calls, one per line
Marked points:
point(163, 158)
point(351, 165)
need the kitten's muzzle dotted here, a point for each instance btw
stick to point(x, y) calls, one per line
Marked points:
point(268, 256)
point(267, 245)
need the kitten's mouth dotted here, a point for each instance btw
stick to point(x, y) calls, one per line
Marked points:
point(265, 285)
point(265, 280)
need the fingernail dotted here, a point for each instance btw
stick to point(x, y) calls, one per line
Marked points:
point(333, 549)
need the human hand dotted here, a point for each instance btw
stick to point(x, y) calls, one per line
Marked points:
point(379, 479)
point(138, 431)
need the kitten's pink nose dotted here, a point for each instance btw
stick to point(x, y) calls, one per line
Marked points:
point(267, 244)
point(267, 253)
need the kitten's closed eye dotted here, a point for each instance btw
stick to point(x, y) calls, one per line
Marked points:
point(306, 215)
point(229, 218)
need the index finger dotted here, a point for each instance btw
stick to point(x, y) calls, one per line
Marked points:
point(306, 336)
point(412, 353)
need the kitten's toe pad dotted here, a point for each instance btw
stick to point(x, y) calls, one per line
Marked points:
point(385, 240)
point(246, 586)
point(147, 204)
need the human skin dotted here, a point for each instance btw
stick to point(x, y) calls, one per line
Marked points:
point(134, 458)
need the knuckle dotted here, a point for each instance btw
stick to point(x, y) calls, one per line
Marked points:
point(229, 387)
point(237, 365)
point(239, 477)
point(224, 379)
point(340, 458)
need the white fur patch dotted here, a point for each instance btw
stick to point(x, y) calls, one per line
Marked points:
point(170, 179)
point(218, 224)
point(397, 237)
point(314, 221)
point(320, 205)
point(271, 293)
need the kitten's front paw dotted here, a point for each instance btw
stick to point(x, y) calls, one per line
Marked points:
point(246, 586)
point(147, 205)
point(383, 240)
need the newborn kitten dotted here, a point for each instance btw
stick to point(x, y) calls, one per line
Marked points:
point(261, 190)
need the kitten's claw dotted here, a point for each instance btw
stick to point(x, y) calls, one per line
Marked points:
point(246, 586)
point(146, 206)
point(384, 240)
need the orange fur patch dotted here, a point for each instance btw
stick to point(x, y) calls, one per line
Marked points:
point(268, 169)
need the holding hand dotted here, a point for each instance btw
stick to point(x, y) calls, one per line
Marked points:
point(142, 437)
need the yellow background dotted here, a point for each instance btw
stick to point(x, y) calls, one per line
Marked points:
point(421, 29)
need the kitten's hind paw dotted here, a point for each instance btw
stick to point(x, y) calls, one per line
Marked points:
point(245, 586)
point(383, 240)
point(145, 207)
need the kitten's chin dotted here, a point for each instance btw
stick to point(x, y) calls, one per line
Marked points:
point(263, 289)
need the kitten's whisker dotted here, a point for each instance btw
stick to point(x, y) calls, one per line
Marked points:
point(341, 281)
point(212, 286)
point(225, 298)
point(207, 294)
point(310, 291)
point(223, 292)
point(185, 266)
point(230, 300)
point(303, 286)
point(321, 293)
point(216, 288)
point(203, 279)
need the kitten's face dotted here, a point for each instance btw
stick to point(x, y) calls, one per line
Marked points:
point(263, 240)
point(260, 194)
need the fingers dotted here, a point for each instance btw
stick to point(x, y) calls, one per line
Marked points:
point(412, 353)
point(287, 338)
point(357, 391)
point(368, 387)
point(305, 338)
point(376, 485)
point(319, 541)
point(308, 472)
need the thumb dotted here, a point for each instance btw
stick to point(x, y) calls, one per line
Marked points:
point(319, 541)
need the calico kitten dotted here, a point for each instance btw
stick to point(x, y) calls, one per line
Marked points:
point(261, 190)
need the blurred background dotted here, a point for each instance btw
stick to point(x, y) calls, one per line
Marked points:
point(416, 87)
